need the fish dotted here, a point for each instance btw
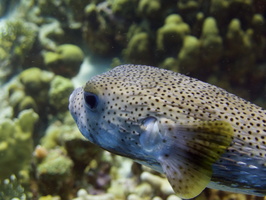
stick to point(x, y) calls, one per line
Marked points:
point(197, 134)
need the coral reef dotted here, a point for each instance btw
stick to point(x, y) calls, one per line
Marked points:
point(138, 46)
point(49, 36)
point(16, 40)
point(31, 90)
point(171, 34)
point(210, 43)
point(60, 88)
point(78, 149)
point(171, 64)
point(49, 197)
point(124, 8)
point(35, 81)
point(54, 173)
point(83, 195)
point(16, 142)
point(41, 90)
point(190, 49)
point(65, 60)
point(149, 8)
point(159, 183)
point(97, 33)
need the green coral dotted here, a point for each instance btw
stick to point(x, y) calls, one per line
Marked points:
point(240, 50)
point(80, 150)
point(171, 64)
point(97, 32)
point(65, 61)
point(92, 15)
point(170, 36)
point(55, 166)
point(51, 138)
point(11, 188)
point(211, 42)
point(53, 8)
point(75, 7)
point(50, 35)
point(188, 5)
point(40, 90)
point(258, 22)
point(237, 41)
point(35, 83)
point(139, 49)
point(125, 8)
point(190, 49)
point(54, 173)
point(17, 37)
point(49, 197)
point(115, 62)
point(16, 142)
point(224, 10)
point(173, 19)
point(258, 27)
point(16, 96)
point(59, 92)
point(149, 8)
point(27, 103)
point(16, 40)
point(50, 57)
point(70, 53)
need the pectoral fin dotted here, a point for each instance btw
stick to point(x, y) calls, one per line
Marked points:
point(190, 152)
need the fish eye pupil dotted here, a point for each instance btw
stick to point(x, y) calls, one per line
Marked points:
point(91, 100)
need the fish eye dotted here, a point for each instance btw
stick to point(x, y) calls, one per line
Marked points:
point(91, 99)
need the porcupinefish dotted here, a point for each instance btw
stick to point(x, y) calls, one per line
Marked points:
point(199, 135)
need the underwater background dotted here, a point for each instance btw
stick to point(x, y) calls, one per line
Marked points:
point(49, 47)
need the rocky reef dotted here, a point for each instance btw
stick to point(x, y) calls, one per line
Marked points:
point(43, 45)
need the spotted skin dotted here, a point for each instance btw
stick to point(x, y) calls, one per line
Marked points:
point(199, 135)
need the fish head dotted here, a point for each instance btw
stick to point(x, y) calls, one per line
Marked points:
point(113, 114)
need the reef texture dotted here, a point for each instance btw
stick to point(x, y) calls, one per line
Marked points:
point(42, 46)
point(16, 138)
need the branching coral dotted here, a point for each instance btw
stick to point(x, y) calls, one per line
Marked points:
point(16, 141)
point(16, 40)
